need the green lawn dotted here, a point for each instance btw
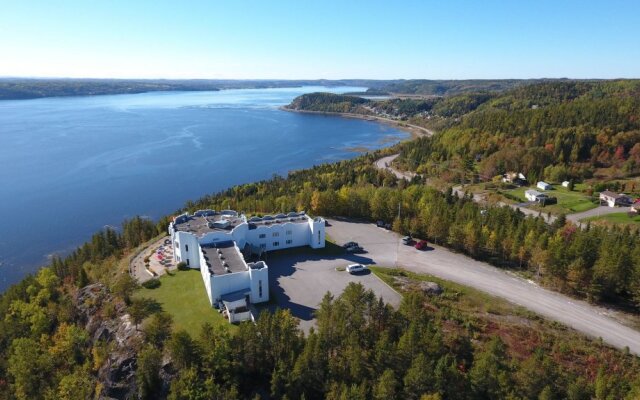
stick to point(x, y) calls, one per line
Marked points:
point(615, 218)
point(568, 201)
point(183, 296)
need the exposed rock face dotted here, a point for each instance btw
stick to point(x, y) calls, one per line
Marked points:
point(430, 288)
point(117, 374)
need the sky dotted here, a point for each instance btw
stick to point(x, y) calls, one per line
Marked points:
point(281, 39)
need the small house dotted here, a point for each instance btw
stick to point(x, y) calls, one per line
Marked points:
point(516, 178)
point(534, 195)
point(544, 186)
point(566, 184)
point(612, 199)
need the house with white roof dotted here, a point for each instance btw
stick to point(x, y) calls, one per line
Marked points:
point(613, 199)
point(218, 244)
point(544, 186)
point(534, 195)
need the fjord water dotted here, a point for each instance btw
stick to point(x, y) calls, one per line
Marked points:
point(71, 166)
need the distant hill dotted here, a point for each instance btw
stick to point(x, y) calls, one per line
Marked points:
point(28, 88)
point(25, 88)
point(427, 87)
point(551, 130)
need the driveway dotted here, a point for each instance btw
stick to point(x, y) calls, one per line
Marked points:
point(299, 282)
point(385, 250)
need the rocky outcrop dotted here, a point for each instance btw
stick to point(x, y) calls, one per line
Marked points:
point(117, 374)
point(430, 288)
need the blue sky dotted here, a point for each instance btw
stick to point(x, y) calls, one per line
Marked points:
point(323, 39)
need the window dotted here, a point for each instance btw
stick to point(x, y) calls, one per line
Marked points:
point(289, 241)
point(187, 261)
point(263, 246)
point(289, 232)
point(276, 234)
point(262, 236)
point(276, 244)
point(318, 237)
point(186, 247)
point(260, 288)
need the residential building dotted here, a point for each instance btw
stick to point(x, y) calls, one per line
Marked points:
point(534, 195)
point(217, 243)
point(612, 199)
point(516, 178)
point(544, 186)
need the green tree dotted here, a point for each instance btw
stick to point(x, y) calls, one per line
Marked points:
point(148, 372)
point(158, 328)
point(387, 386)
point(183, 349)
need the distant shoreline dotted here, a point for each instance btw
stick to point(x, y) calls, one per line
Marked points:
point(415, 130)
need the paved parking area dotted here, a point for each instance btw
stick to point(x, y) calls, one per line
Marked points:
point(300, 281)
point(384, 250)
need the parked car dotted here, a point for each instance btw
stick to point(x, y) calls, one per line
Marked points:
point(380, 224)
point(421, 245)
point(354, 249)
point(350, 244)
point(387, 226)
point(407, 240)
point(356, 268)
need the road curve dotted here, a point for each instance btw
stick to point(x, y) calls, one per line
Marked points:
point(384, 249)
point(385, 163)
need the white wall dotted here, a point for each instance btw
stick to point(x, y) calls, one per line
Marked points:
point(317, 233)
point(183, 241)
point(259, 277)
point(297, 233)
point(229, 283)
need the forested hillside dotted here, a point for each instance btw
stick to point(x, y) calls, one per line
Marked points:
point(428, 87)
point(551, 130)
point(555, 131)
point(57, 341)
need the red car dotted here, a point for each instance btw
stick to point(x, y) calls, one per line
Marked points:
point(421, 245)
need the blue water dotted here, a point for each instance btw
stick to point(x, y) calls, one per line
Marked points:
point(70, 166)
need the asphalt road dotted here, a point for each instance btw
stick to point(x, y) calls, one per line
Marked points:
point(385, 163)
point(385, 249)
point(299, 282)
point(601, 210)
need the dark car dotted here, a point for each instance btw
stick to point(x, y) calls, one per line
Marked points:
point(380, 224)
point(407, 240)
point(350, 244)
point(354, 249)
point(421, 245)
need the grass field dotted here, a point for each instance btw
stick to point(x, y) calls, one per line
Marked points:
point(615, 218)
point(568, 201)
point(183, 296)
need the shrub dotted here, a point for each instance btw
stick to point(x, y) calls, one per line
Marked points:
point(151, 284)
point(182, 266)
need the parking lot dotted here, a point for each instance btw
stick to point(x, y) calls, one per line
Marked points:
point(299, 280)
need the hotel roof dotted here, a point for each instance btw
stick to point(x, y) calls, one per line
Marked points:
point(205, 221)
point(223, 258)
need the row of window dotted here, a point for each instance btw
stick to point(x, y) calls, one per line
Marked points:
point(275, 244)
point(274, 234)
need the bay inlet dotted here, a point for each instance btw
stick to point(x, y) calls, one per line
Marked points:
point(71, 166)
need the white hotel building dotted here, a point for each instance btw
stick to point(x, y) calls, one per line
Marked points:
point(214, 243)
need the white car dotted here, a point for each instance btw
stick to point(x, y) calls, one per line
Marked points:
point(355, 268)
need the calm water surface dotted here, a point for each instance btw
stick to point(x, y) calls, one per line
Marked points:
point(70, 166)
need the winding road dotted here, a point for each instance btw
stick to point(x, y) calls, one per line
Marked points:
point(383, 248)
